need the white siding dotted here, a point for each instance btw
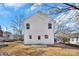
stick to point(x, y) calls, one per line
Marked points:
point(38, 27)
point(5, 35)
point(74, 41)
point(2, 38)
point(78, 42)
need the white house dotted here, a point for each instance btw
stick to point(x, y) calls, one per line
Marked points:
point(8, 35)
point(74, 38)
point(38, 29)
point(5, 35)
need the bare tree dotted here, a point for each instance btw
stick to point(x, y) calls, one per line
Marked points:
point(16, 25)
point(73, 6)
point(61, 24)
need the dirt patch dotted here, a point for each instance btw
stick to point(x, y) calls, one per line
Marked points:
point(19, 49)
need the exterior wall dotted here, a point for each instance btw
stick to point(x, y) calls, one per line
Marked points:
point(6, 38)
point(11, 37)
point(2, 38)
point(5, 35)
point(78, 42)
point(38, 26)
point(75, 41)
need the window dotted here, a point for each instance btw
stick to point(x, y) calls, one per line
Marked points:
point(39, 37)
point(8, 35)
point(46, 36)
point(77, 39)
point(49, 26)
point(72, 39)
point(30, 37)
point(27, 26)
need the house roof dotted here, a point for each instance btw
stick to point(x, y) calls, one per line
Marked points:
point(6, 32)
point(40, 13)
point(75, 34)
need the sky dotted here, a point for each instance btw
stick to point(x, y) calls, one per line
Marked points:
point(9, 11)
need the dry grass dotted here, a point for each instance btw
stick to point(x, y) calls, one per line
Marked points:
point(20, 49)
point(55, 51)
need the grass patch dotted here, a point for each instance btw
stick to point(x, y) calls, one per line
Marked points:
point(19, 49)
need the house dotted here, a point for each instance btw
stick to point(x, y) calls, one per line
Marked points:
point(8, 35)
point(5, 36)
point(38, 29)
point(1, 32)
point(74, 39)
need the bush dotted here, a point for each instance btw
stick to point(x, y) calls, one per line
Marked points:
point(65, 39)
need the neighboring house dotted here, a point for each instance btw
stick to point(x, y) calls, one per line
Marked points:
point(38, 29)
point(5, 36)
point(74, 38)
point(8, 35)
point(1, 32)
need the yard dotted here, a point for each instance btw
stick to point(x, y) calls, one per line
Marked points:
point(19, 49)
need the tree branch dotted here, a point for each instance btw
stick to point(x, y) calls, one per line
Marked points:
point(71, 6)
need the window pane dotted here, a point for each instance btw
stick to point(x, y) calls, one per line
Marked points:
point(77, 39)
point(46, 36)
point(39, 37)
point(8, 35)
point(49, 26)
point(72, 39)
point(30, 37)
point(27, 26)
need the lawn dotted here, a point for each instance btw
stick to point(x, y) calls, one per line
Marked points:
point(19, 49)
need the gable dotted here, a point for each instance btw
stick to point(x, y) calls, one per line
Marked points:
point(39, 16)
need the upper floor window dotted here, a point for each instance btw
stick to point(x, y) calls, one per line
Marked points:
point(27, 26)
point(49, 26)
point(46, 36)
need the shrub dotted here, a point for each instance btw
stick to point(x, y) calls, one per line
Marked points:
point(65, 39)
